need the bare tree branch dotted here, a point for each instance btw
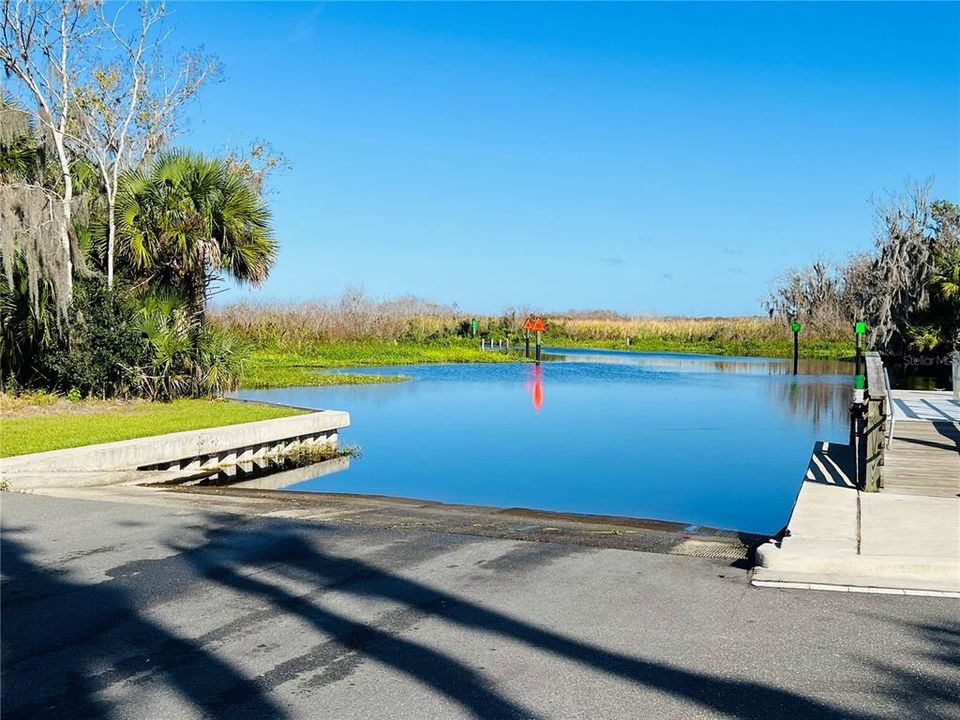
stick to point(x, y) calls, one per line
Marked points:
point(128, 108)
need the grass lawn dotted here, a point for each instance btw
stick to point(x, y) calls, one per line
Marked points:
point(87, 423)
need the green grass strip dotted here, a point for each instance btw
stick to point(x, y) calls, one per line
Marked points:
point(810, 350)
point(38, 433)
point(278, 366)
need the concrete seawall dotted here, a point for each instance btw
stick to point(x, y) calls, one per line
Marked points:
point(204, 448)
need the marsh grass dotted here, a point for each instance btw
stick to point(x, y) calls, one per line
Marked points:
point(300, 327)
point(275, 366)
point(690, 330)
point(741, 336)
point(262, 373)
point(290, 341)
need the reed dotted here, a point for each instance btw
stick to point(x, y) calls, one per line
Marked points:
point(311, 453)
point(352, 317)
point(354, 331)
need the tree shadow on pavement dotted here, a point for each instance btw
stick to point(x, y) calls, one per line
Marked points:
point(297, 559)
point(932, 698)
point(68, 645)
point(64, 641)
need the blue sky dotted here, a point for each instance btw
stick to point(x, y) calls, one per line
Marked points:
point(657, 158)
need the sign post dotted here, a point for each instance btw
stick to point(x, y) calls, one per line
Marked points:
point(538, 327)
point(859, 381)
point(955, 368)
point(795, 326)
point(473, 327)
point(527, 327)
point(859, 330)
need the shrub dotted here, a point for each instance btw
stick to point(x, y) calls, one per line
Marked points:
point(185, 357)
point(218, 362)
point(99, 353)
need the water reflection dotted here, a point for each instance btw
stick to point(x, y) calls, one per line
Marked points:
point(701, 363)
point(923, 374)
point(823, 404)
point(266, 473)
point(535, 387)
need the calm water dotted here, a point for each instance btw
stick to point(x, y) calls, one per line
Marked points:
point(705, 440)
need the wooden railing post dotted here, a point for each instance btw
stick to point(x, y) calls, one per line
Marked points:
point(872, 434)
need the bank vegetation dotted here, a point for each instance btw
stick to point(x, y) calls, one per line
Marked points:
point(355, 330)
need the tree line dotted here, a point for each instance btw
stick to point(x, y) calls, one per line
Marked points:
point(907, 289)
point(110, 237)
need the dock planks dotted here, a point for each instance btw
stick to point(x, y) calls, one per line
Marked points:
point(923, 458)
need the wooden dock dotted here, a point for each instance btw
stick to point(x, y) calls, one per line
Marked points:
point(926, 405)
point(923, 455)
point(893, 526)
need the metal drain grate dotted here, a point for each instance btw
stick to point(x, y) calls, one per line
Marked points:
point(708, 549)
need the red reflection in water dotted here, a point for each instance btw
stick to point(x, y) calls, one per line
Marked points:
point(536, 388)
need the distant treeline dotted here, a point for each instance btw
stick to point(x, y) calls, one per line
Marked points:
point(907, 289)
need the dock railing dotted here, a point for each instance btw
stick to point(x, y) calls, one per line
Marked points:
point(872, 424)
point(955, 374)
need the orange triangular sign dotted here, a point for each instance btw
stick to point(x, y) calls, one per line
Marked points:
point(528, 325)
point(538, 325)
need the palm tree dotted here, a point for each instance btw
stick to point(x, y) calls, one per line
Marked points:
point(945, 283)
point(186, 219)
point(946, 277)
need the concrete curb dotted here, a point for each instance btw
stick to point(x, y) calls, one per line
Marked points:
point(865, 589)
point(29, 481)
point(209, 447)
point(850, 569)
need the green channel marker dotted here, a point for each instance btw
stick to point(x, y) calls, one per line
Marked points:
point(795, 326)
point(861, 328)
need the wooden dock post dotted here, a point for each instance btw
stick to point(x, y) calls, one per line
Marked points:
point(870, 422)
